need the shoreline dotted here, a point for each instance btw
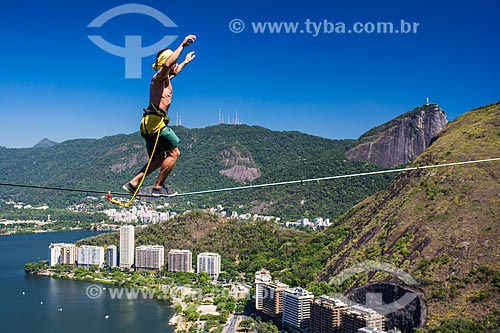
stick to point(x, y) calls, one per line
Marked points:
point(166, 293)
point(34, 232)
point(175, 321)
point(31, 232)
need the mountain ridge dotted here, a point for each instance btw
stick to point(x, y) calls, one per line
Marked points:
point(212, 157)
point(45, 143)
point(440, 225)
point(402, 139)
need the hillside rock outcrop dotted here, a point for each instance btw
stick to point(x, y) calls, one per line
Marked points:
point(242, 165)
point(400, 140)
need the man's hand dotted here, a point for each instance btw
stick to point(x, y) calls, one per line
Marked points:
point(188, 40)
point(189, 57)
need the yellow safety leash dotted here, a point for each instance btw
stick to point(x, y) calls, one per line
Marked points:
point(126, 205)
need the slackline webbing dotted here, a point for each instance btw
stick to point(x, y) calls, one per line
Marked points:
point(300, 181)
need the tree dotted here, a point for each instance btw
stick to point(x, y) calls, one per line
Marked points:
point(190, 313)
point(35, 267)
point(204, 279)
point(247, 324)
point(266, 327)
point(320, 288)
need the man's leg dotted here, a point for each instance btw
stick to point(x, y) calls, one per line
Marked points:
point(155, 164)
point(167, 165)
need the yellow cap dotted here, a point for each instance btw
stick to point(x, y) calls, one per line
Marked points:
point(162, 59)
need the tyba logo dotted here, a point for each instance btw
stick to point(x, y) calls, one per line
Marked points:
point(133, 52)
point(374, 300)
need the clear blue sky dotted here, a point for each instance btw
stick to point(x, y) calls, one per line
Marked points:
point(55, 83)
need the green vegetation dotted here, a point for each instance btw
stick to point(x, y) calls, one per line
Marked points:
point(225, 305)
point(294, 257)
point(279, 156)
point(259, 326)
point(213, 323)
point(490, 324)
point(36, 267)
point(191, 314)
point(180, 278)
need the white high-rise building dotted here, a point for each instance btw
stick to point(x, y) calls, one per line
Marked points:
point(262, 277)
point(112, 256)
point(127, 234)
point(297, 308)
point(208, 262)
point(149, 257)
point(90, 255)
point(180, 261)
point(62, 253)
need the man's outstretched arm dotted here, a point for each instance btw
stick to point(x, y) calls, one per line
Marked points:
point(188, 40)
point(189, 57)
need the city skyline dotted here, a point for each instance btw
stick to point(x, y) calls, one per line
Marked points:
point(300, 311)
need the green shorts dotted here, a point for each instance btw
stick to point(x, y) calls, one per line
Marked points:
point(168, 140)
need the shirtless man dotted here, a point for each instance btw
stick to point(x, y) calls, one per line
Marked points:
point(155, 119)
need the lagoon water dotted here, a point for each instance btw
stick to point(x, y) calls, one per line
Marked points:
point(47, 305)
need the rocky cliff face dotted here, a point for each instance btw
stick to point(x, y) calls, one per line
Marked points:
point(242, 165)
point(387, 298)
point(401, 140)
